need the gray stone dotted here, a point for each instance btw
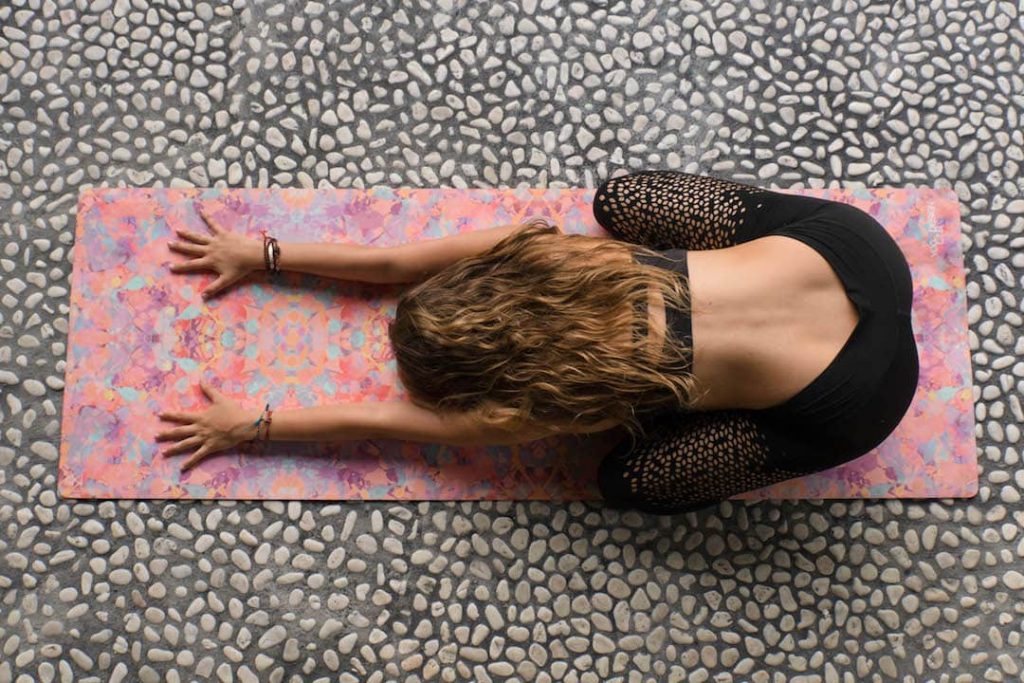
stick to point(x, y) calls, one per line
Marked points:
point(473, 95)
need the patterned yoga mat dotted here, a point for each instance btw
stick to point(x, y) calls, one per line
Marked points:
point(141, 337)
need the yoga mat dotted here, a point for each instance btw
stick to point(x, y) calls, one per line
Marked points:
point(141, 337)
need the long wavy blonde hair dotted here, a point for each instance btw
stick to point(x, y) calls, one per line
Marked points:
point(534, 330)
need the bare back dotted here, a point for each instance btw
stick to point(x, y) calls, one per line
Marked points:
point(768, 316)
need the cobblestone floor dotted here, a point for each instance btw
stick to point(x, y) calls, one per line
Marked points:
point(474, 94)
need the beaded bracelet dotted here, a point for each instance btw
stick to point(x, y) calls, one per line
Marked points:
point(261, 421)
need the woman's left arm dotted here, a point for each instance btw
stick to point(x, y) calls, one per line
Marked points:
point(225, 424)
point(400, 420)
point(405, 421)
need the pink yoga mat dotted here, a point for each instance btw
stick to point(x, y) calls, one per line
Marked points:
point(141, 337)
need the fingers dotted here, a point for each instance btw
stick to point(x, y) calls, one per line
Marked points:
point(194, 236)
point(177, 433)
point(192, 265)
point(211, 393)
point(185, 445)
point(217, 285)
point(187, 248)
point(179, 417)
point(214, 226)
point(198, 264)
point(194, 459)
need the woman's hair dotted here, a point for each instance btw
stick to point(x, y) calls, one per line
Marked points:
point(544, 327)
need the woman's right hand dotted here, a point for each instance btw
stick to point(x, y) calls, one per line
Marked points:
point(229, 254)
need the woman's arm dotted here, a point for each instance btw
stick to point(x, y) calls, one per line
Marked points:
point(410, 262)
point(224, 424)
point(400, 420)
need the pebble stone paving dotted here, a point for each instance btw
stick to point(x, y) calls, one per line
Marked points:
point(482, 94)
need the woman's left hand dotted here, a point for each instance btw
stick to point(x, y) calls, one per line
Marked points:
point(221, 426)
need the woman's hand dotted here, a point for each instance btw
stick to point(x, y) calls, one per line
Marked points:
point(222, 425)
point(230, 255)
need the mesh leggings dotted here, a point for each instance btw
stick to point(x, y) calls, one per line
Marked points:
point(690, 460)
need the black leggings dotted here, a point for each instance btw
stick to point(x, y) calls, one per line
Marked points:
point(692, 459)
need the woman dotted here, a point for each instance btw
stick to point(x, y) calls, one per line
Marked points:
point(735, 336)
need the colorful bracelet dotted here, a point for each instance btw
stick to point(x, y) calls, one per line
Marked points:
point(266, 432)
point(259, 422)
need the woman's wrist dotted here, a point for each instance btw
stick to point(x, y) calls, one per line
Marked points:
point(245, 426)
point(334, 422)
point(253, 255)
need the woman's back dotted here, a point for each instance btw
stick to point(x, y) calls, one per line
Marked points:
point(768, 316)
point(800, 329)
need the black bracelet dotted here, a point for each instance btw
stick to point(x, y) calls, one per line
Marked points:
point(266, 252)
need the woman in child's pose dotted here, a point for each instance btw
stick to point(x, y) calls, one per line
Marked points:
point(733, 336)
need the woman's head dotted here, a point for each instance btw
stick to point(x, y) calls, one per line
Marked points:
point(544, 327)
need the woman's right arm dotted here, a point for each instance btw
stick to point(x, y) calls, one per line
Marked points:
point(410, 262)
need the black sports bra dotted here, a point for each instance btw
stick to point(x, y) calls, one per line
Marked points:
point(678, 321)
